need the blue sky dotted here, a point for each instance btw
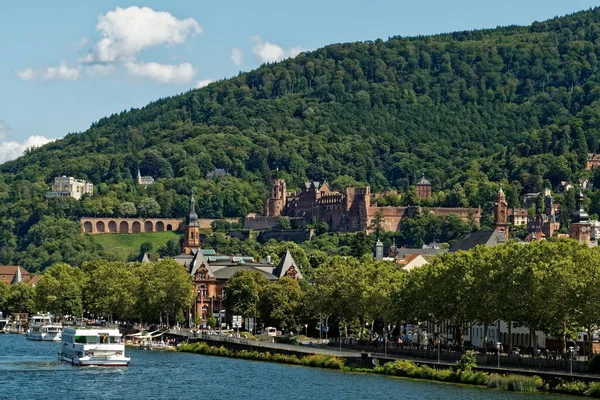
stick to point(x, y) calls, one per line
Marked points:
point(65, 64)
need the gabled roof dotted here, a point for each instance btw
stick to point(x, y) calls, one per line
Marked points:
point(34, 280)
point(229, 271)
point(197, 262)
point(285, 264)
point(8, 274)
point(143, 258)
point(487, 238)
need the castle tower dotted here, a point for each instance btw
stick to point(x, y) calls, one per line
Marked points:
point(277, 198)
point(191, 231)
point(501, 213)
point(423, 188)
point(579, 229)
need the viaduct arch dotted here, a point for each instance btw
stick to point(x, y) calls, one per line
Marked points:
point(140, 225)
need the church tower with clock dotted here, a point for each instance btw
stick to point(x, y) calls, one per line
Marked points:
point(579, 229)
point(501, 213)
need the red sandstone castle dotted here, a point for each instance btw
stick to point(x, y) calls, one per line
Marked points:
point(350, 211)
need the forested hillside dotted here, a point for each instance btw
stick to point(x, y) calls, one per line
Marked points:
point(517, 104)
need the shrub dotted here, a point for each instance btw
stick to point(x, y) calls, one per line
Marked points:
point(472, 378)
point(515, 383)
point(572, 387)
point(314, 360)
point(467, 362)
point(594, 363)
point(593, 390)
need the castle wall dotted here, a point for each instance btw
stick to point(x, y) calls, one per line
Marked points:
point(298, 236)
point(260, 222)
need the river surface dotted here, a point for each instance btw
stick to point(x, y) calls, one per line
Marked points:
point(30, 370)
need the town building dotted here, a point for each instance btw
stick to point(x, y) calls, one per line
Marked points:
point(411, 261)
point(488, 238)
point(216, 173)
point(518, 216)
point(545, 221)
point(580, 226)
point(350, 211)
point(144, 180)
point(211, 271)
point(191, 230)
point(593, 161)
point(13, 274)
point(67, 186)
point(501, 213)
point(423, 188)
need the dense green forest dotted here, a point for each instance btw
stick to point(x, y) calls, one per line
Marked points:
point(518, 105)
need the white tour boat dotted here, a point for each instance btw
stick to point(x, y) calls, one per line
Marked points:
point(42, 328)
point(3, 324)
point(86, 347)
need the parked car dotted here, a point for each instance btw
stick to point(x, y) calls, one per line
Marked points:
point(270, 331)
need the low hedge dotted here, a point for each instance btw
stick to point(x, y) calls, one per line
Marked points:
point(313, 360)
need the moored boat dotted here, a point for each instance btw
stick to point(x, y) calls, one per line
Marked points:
point(87, 347)
point(4, 323)
point(41, 327)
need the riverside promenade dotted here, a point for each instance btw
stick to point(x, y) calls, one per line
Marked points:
point(367, 359)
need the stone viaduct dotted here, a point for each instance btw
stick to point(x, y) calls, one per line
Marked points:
point(139, 225)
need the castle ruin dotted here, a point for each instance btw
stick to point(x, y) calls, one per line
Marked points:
point(350, 211)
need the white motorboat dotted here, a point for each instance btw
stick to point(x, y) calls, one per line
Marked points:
point(41, 327)
point(87, 347)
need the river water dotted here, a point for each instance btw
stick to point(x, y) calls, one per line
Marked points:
point(30, 370)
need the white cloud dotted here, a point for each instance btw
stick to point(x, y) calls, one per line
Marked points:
point(26, 75)
point(294, 51)
point(81, 43)
point(270, 52)
point(63, 72)
point(203, 83)
point(127, 31)
point(99, 69)
point(237, 56)
point(163, 73)
point(9, 150)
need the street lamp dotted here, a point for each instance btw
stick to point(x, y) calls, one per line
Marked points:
point(498, 345)
point(438, 342)
point(571, 350)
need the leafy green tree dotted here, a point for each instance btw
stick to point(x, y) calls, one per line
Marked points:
point(361, 245)
point(20, 298)
point(60, 290)
point(112, 289)
point(145, 247)
point(148, 208)
point(165, 288)
point(242, 293)
point(4, 291)
point(170, 249)
point(280, 304)
point(127, 209)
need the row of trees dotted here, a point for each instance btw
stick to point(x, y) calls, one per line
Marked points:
point(114, 290)
point(549, 286)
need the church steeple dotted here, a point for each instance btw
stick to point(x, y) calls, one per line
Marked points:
point(579, 228)
point(191, 231)
point(192, 217)
point(501, 213)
